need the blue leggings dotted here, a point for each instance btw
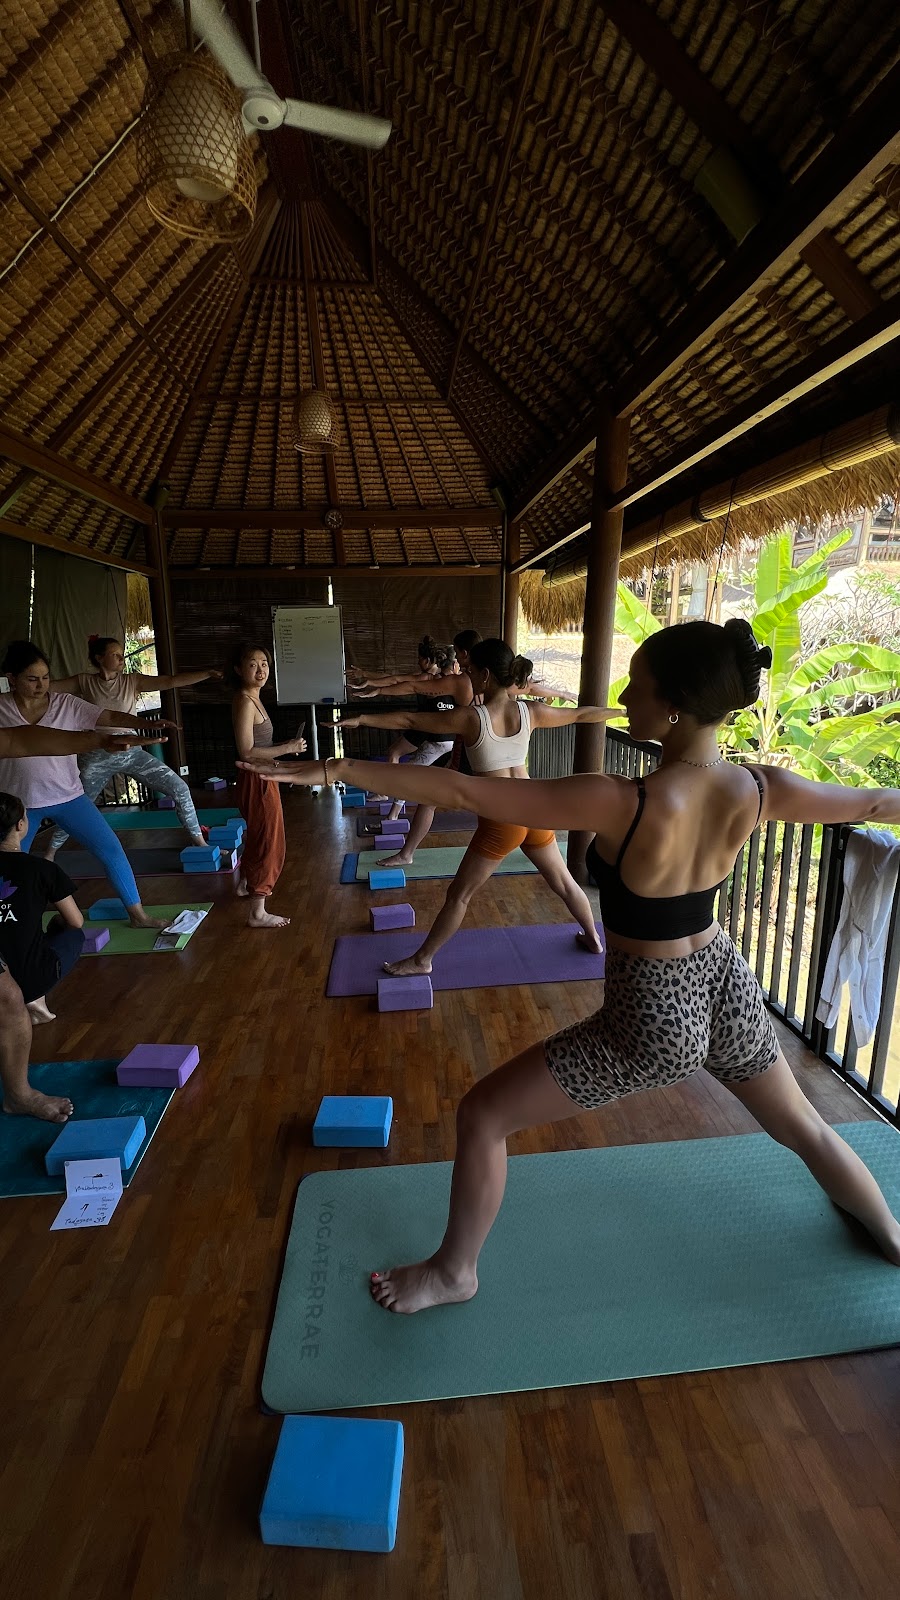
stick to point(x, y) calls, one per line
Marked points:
point(86, 824)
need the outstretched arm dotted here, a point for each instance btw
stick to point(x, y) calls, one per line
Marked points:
point(538, 690)
point(64, 685)
point(65, 742)
point(124, 719)
point(547, 803)
point(562, 717)
point(790, 798)
point(446, 724)
point(174, 680)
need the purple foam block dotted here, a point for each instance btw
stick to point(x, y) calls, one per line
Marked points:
point(405, 994)
point(96, 938)
point(215, 783)
point(164, 802)
point(399, 825)
point(158, 1066)
point(388, 841)
point(386, 807)
point(382, 917)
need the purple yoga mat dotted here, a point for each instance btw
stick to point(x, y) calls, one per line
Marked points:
point(475, 958)
point(444, 821)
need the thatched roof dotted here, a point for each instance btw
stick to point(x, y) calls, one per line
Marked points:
point(564, 186)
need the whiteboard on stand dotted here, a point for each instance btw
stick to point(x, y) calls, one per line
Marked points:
point(309, 654)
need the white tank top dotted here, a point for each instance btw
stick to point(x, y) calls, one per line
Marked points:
point(493, 751)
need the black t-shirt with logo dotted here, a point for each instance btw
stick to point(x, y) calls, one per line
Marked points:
point(428, 703)
point(28, 886)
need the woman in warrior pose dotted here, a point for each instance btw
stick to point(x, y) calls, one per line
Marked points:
point(111, 688)
point(678, 995)
point(51, 786)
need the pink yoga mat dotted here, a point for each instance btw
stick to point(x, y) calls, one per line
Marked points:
point(475, 958)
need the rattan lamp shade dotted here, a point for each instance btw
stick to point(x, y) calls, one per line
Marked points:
point(314, 423)
point(194, 162)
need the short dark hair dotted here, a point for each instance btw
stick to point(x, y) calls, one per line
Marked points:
point(496, 657)
point(98, 644)
point(706, 670)
point(12, 810)
point(238, 655)
point(466, 639)
point(21, 654)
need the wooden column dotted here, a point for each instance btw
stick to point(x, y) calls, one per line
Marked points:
point(161, 607)
point(511, 554)
point(604, 553)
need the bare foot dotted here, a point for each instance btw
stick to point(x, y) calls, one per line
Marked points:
point(47, 1107)
point(399, 860)
point(592, 946)
point(379, 799)
point(412, 967)
point(39, 1011)
point(408, 1289)
point(141, 920)
point(265, 919)
point(242, 889)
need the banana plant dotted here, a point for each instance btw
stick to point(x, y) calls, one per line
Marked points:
point(809, 718)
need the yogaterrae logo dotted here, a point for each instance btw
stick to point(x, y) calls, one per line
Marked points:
point(314, 1310)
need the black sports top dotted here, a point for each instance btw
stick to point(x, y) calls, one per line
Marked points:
point(426, 703)
point(640, 916)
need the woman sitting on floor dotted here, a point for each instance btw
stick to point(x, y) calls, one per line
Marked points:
point(38, 960)
point(678, 994)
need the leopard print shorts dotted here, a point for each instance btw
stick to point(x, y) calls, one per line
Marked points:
point(661, 1020)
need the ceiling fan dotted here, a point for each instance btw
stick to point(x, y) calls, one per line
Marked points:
point(262, 109)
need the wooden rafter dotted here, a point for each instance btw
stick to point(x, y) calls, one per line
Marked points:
point(18, 530)
point(869, 140)
point(538, 20)
point(80, 260)
point(48, 464)
point(354, 517)
point(311, 303)
point(450, 569)
point(828, 259)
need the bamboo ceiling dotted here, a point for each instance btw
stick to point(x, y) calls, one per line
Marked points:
point(547, 209)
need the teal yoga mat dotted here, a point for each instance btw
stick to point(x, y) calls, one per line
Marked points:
point(92, 1088)
point(444, 862)
point(603, 1264)
point(123, 818)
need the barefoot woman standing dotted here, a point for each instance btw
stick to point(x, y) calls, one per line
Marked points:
point(678, 994)
point(260, 804)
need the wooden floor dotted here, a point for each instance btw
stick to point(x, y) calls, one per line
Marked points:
point(135, 1451)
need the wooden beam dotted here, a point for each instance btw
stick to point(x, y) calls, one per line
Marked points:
point(511, 553)
point(164, 631)
point(840, 275)
point(80, 260)
point(354, 517)
point(282, 574)
point(18, 530)
point(866, 143)
point(50, 465)
point(318, 359)
point(659, 49)
point(538, 22)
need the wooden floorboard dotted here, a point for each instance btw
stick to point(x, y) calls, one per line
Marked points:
point(135, 1451)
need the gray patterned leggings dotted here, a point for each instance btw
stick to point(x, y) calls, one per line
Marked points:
point(97, 768)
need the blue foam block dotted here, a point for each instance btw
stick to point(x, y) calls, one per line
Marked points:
point(90, 1138)
point(107, 911)
point(387, 878)
point(199, 856)
point(346, 1119)
point(229, 834)
point(334, 1484)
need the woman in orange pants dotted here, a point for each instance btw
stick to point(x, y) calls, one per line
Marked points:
point(260, 802)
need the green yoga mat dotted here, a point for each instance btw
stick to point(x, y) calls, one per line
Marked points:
point(127, 941)
point(603, 1264)
point(92, 1088)
point(121, 818)
point(444, 862)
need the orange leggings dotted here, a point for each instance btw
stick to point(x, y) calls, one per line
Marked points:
point(264, 846)
point(498, 839)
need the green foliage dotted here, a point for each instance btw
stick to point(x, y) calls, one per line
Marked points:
point(835, 714)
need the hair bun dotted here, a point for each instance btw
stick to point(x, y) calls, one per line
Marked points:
point(764, 658)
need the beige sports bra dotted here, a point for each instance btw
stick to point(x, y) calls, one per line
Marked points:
point(492, 751)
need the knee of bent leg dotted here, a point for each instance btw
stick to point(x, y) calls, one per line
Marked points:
point(478, 1113)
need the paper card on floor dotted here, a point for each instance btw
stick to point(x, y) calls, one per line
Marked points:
point(93, 1190)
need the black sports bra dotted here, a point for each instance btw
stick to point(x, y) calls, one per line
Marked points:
point(640, 916)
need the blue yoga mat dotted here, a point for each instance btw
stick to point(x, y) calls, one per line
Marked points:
point(603, 1264)
point(92, 1088)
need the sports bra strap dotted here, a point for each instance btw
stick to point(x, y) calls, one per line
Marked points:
point(642, 796)
point(762, 793)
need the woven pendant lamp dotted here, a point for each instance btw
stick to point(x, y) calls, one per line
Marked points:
point(194, 161)
point(314, 423)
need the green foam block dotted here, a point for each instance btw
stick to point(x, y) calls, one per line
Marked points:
point(603, 1264)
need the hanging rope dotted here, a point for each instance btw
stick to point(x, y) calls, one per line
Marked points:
point(712, 592)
